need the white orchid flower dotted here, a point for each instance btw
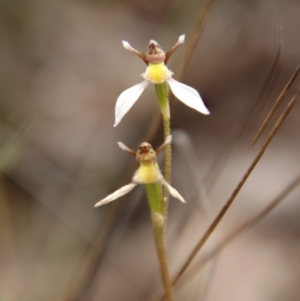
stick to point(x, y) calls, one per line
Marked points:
point(157, 72)
point(147, 173)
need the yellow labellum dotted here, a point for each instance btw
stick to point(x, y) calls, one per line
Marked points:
point(147, 173)
point(157, 73)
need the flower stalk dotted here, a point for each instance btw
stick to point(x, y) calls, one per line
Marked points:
point(156, 202)
point(163, 99)
point(148, 174)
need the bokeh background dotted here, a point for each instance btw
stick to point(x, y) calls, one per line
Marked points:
point(62, 69)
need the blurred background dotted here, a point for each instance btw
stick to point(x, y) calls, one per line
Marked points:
point(62, 68)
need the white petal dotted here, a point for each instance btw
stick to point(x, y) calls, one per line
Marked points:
point(181, 39)
point(127, 99)
point(172, 191)
point(125, 148)
point(118, 193)
point(188, 96)
point(126, 45)
point(166, 142)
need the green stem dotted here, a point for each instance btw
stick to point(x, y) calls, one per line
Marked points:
point(156, 202)
point(163, 99)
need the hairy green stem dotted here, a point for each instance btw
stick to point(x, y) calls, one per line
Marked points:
point(156, 203)
point(158, 196)
point(163, 99)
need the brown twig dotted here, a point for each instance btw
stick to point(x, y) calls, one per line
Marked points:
point(202, 19)
point(227, 205)
point(275, 106)
point(219, 164)
point(82, 280)
point(246, 226)
point(258, 104)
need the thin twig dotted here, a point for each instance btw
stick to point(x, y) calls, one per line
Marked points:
point(225, 208)
point(275, 106)
point(259, 103)
point(246, 226)
point(82, 280)
point(220, 163)
point(202, 19)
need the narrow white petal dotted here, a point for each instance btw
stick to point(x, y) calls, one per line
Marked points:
point(172, 191)
point(127, 99)
point(126, 45)
point(125, 148)
point(188, 96)
point(118, 193)
point(168, 140)
point(181, 39)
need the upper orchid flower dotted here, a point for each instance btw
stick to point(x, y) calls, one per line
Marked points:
point(148, 172)
point(157, 72)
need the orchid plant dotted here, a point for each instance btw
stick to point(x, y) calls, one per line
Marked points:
point(148, 174)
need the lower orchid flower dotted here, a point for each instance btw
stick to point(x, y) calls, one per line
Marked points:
point(147, 173)
point(157, 73)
